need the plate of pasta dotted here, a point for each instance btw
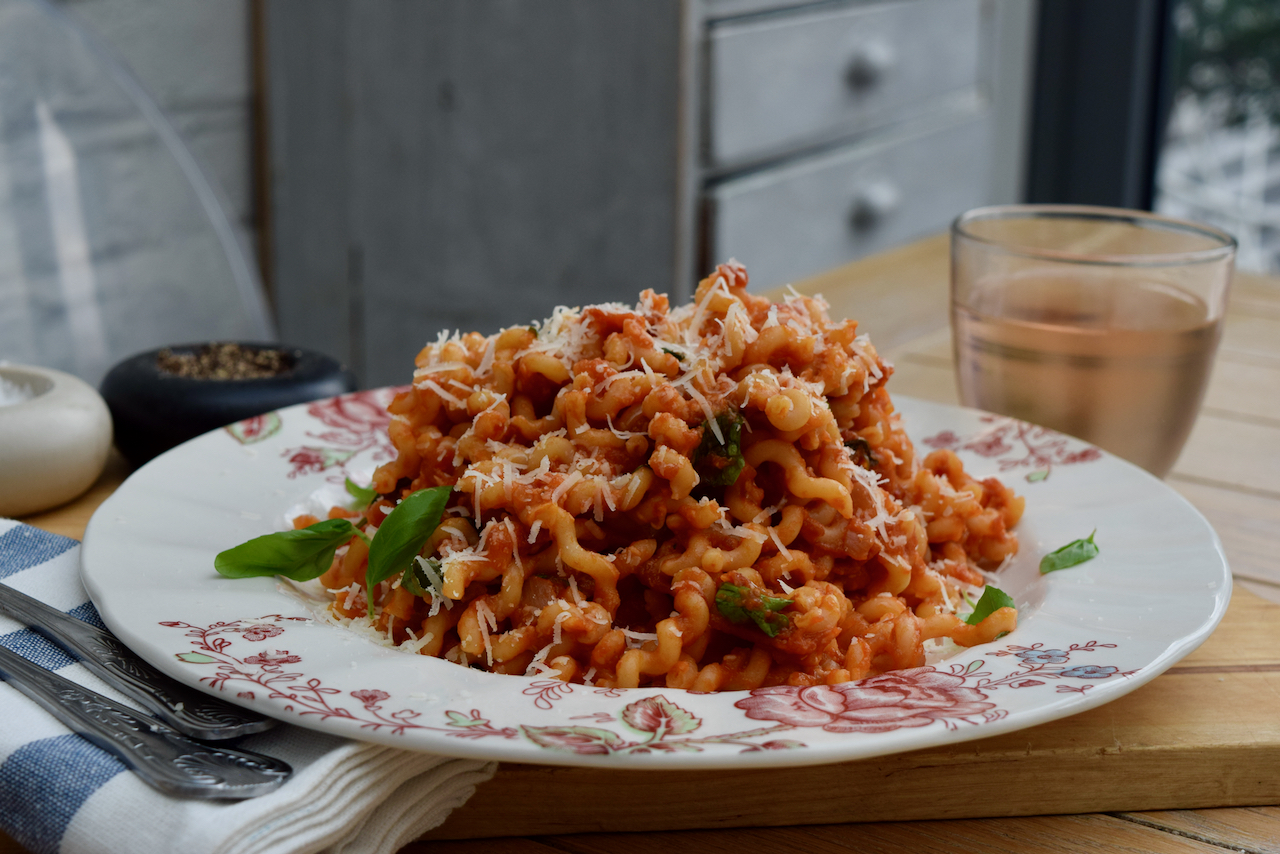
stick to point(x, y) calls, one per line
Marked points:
point(645, 536)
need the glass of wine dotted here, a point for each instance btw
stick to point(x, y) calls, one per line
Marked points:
point(1097, 322)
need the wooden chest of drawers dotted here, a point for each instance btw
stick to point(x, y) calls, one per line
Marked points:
point(464, 164)
point(836, 130)
point(783, 82)
point(818, 212)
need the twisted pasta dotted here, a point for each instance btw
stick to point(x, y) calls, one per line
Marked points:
point(714, 497)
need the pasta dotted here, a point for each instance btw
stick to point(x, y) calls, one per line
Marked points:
point(715, 497)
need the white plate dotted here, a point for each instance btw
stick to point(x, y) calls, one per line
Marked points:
point(1086, 635)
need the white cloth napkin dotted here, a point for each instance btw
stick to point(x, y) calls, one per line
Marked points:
point(59, 793)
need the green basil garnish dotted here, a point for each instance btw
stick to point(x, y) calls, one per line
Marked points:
point(415, 581)
point(306, 553)
point(402, 534)
point(363, 495)
point(859, 446)
point(717, 462)
point(679, 356)
point(993, 599)
point(733, 603)
point(1072, 554)
point(423, 579)
point(300, 555)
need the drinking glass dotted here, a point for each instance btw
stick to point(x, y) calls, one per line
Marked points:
point(1097, 322)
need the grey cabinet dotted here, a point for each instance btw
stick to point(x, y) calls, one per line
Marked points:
point(472, 163)
point(822, 211)
point(781, 81)
point(834, 130)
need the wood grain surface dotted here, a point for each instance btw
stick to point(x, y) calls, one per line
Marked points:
point(1187, 763)
point(1033, 835)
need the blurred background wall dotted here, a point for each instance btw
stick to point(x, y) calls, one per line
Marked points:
point(112, 239)
point(195, 57)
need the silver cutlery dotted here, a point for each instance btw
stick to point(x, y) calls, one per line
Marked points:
point(185, 709)
point(159, 754)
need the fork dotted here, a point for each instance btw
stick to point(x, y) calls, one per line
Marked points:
point(185, 709)
point(163, 757)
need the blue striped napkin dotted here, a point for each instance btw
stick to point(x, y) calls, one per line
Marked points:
point(59, 793)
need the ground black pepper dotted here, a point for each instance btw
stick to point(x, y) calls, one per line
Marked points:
point(224, 361)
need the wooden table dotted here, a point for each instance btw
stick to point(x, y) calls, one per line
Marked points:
point(1188, 763)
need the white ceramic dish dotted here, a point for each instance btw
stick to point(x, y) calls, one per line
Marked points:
point(1087, 635)
point(54, 443)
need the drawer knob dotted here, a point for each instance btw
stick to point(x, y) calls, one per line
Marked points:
point(873, 204)
point(870, 63)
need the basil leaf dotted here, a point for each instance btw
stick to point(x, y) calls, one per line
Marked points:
point(718, 462)
point(679, 356)
point(729, 603)
point(993, 599)
point(300, 555)
point(1073, 553)
point(859, 446)
point(402, 534)
point(363, 495)
point(423, 580)
point(415, 581)
point(732, 602)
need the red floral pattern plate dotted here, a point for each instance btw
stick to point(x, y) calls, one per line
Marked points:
point(1086, 635)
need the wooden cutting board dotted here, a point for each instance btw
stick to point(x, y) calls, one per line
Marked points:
point(1204, 734)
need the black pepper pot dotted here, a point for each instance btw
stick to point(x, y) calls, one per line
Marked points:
point(154, 409)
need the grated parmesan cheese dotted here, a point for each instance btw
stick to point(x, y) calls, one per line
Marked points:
point(555, 626)
point(635, 640)
point(488, 623)
point(782, 550)
point(486, 361)
point(565, 485)
point(706, 408)
point(444, 395)
point(766, 513)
